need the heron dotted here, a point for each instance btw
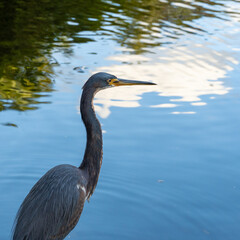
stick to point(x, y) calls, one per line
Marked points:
point(53, 206)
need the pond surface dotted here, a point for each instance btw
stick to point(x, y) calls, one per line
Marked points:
point(171, 162)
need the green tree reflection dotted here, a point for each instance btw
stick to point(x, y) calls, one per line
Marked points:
point(29, 31)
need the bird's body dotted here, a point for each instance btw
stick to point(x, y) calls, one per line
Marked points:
point(61, 194)
point(54, 205)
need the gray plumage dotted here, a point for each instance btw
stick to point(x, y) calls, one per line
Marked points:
point(53, 206)
point(55, 200)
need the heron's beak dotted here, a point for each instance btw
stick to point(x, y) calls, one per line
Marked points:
point(124, 82)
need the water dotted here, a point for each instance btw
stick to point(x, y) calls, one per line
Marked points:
point(171, 152)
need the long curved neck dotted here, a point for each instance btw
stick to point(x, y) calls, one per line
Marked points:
point(92, 160)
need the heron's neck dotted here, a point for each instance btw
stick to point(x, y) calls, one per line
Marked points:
point(92, 160)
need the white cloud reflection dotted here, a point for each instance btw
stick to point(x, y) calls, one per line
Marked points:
point(183, 112)
point(165, 105)
point(183, 74)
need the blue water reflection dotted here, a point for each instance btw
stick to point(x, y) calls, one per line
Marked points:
point(171, 152)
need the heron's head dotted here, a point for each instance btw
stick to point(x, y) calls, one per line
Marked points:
point(104, 80)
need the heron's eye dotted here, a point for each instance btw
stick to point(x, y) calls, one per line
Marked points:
point(112, 81)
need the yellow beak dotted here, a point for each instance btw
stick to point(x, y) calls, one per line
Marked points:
point(124, 82)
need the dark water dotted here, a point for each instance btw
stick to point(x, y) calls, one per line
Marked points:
point(171, 152)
